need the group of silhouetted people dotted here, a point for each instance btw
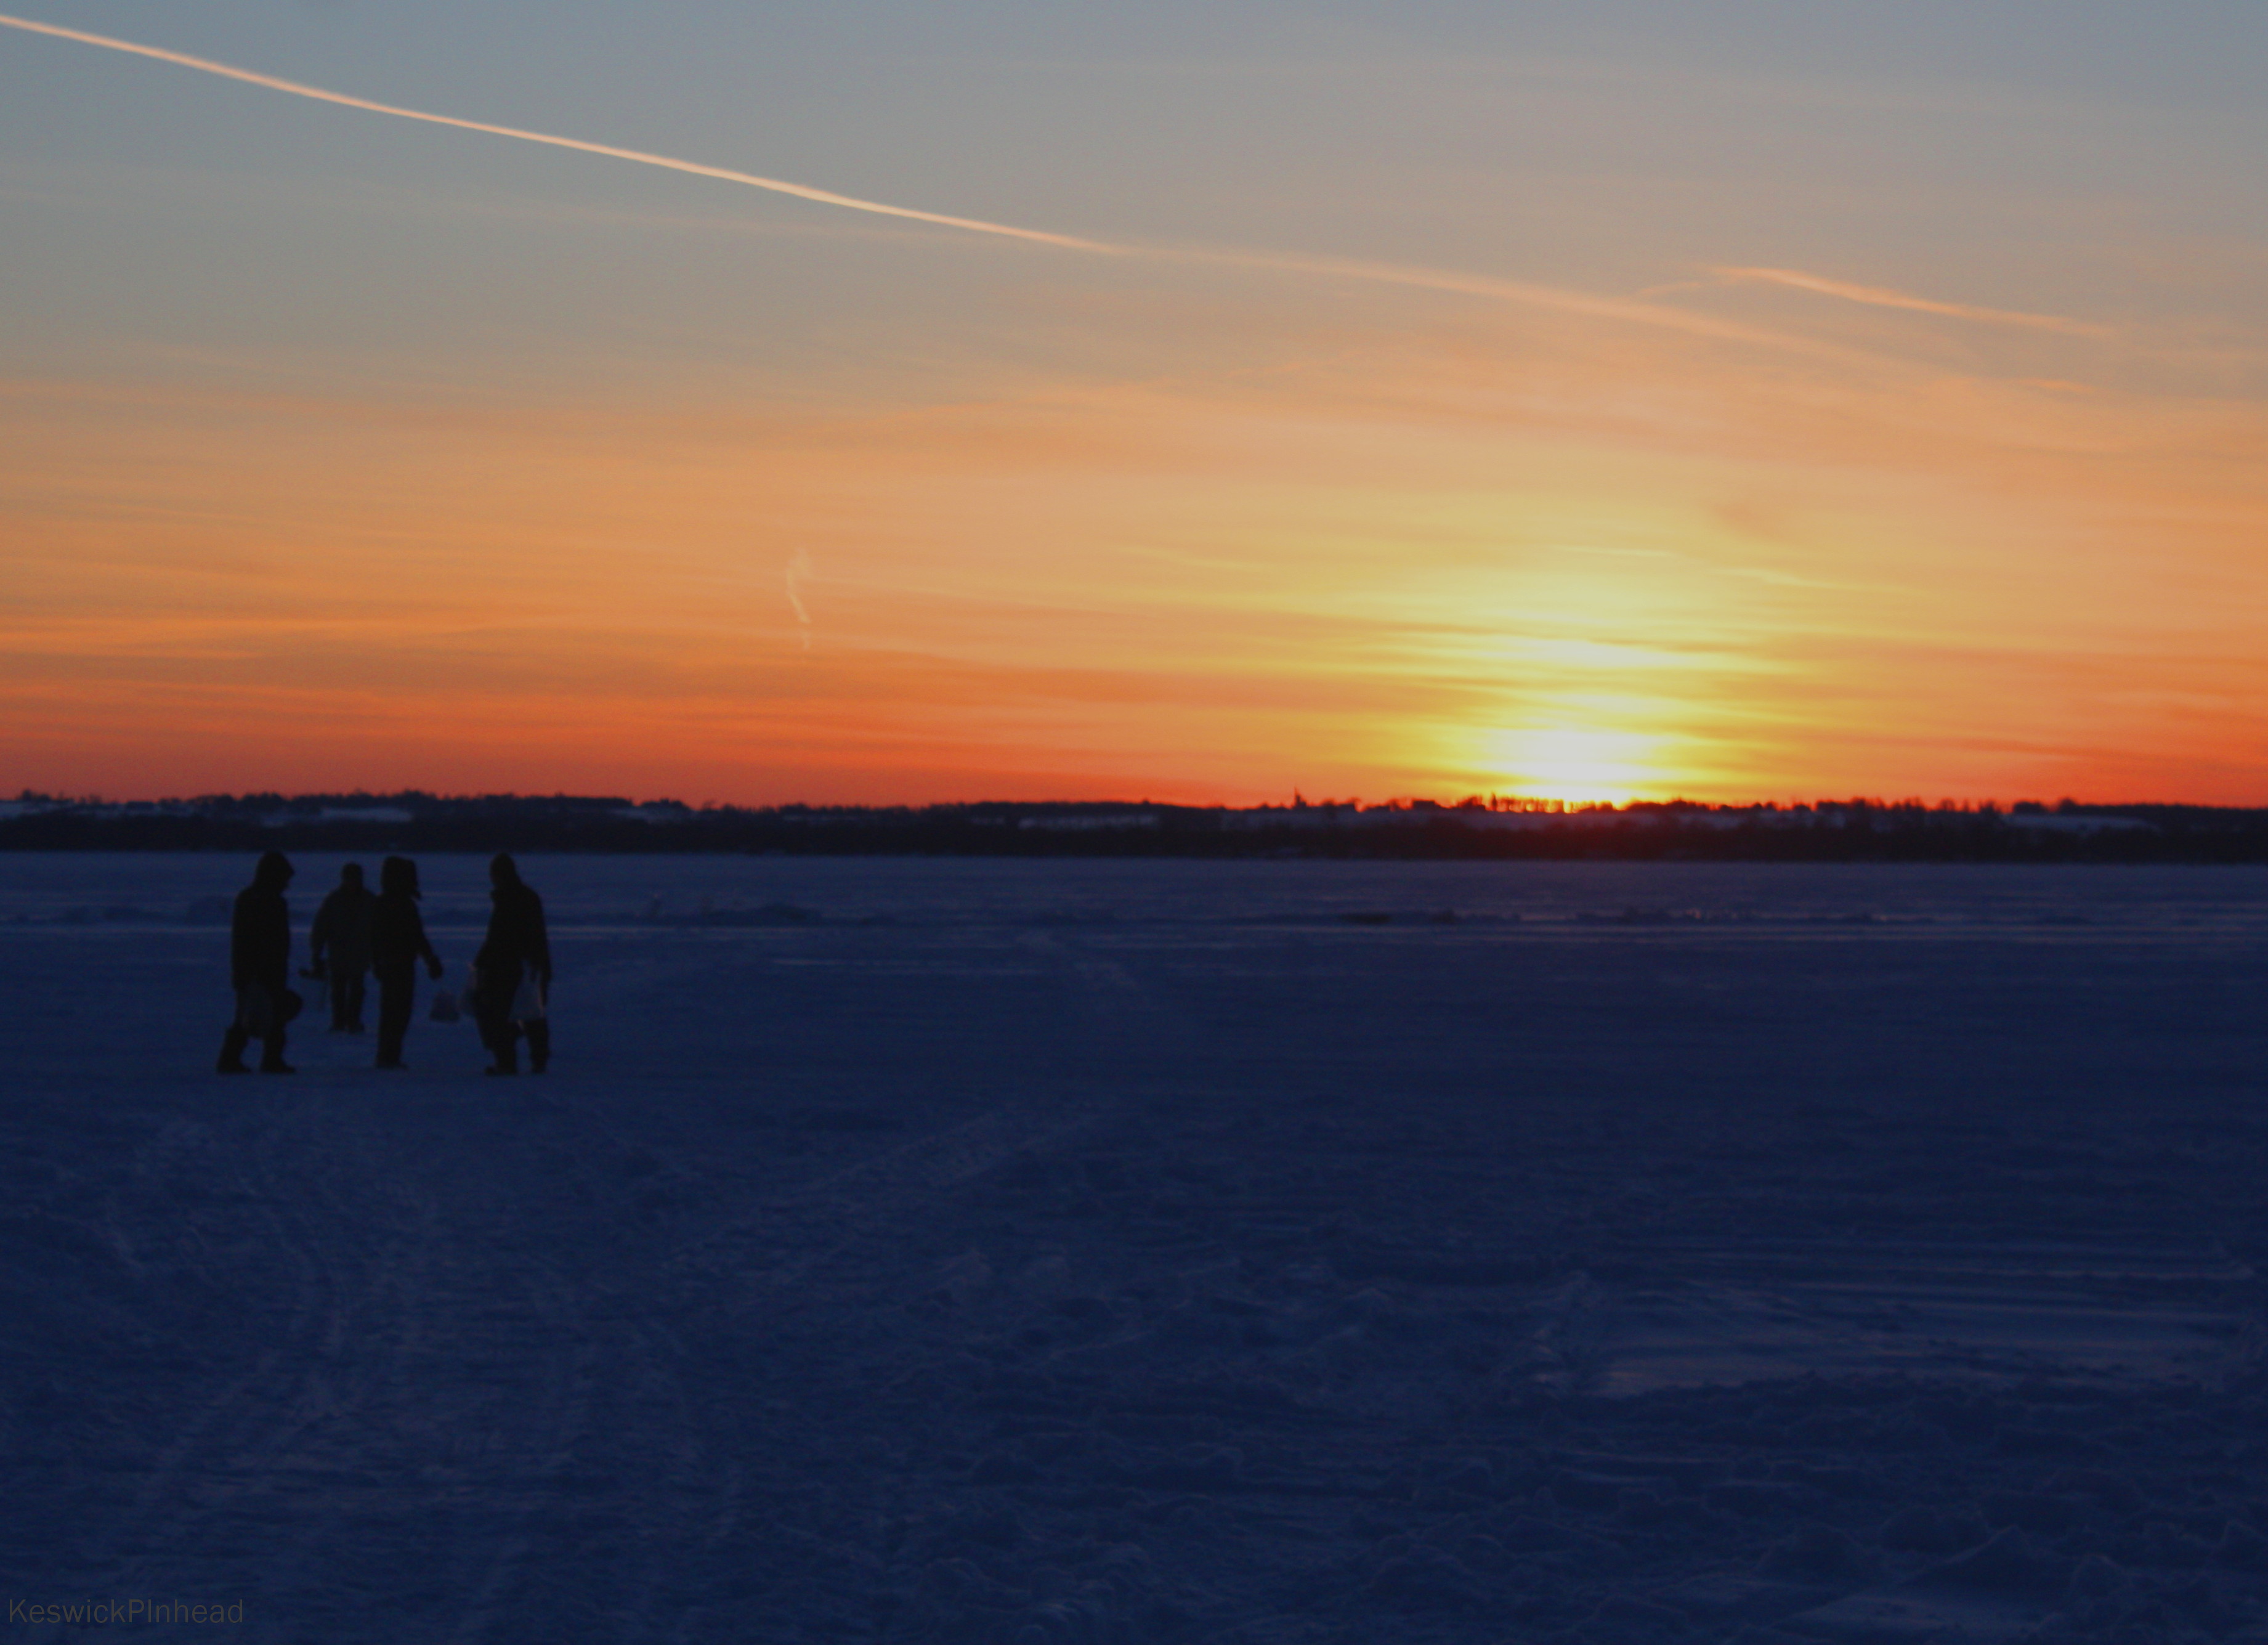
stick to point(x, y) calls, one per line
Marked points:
point(357, 935)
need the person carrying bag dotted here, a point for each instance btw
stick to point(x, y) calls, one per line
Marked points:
point(512, 974)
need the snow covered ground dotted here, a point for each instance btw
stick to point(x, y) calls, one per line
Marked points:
point(950, 1250)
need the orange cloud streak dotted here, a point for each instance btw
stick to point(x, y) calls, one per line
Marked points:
point(1404, 562)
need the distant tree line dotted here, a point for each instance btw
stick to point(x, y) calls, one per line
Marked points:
point(1849, 831)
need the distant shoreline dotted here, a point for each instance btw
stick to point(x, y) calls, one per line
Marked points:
point(1855, 831)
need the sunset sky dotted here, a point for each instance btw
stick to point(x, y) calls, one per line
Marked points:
point(1599, 398)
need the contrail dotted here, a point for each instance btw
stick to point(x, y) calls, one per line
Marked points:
point(1626, 310)
point(1881, 297)
point(801, 191)
point(1377, 273)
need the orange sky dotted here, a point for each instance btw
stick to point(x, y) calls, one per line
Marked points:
point(538, 510)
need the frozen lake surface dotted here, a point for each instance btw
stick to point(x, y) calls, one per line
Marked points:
point(1128, 1251)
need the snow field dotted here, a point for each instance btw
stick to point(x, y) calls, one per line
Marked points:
point(1124, 1251)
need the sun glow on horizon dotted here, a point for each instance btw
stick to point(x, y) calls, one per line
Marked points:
point(1580, 764)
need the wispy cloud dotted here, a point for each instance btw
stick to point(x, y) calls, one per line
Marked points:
point(1882, 297)
point(799, 572)
point(1754, 574)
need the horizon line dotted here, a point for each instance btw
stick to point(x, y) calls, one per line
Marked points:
point(1540, 804)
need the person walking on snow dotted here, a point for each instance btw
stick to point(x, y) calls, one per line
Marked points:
point(512, 973)
point(338, 947)
point(397, 942)
point(259, 969)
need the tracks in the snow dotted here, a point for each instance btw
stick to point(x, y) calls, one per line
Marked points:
point(445, 1365)
point(770, 1246)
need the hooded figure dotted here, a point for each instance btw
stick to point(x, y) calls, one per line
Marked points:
point(512, 973)
point(397, 942)
point(259, 969)
point(338, 947)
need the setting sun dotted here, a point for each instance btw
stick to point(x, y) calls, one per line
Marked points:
point(1581, 765)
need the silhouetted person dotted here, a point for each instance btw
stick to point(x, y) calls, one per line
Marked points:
point(339, 947)
point(259, 969)
point(517, 952)
point(397, 942)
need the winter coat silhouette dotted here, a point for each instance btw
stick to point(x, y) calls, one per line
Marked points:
point(513, 973)
point(338, 947)
point(259, 969)
point(397, 942)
